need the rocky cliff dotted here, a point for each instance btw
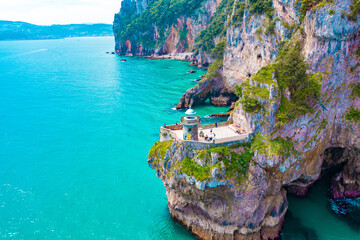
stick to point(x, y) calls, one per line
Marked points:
point(150, 28)
point(295, 68)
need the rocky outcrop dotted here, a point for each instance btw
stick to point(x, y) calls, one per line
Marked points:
point(213, 89)
point(346, 184)
point(213, 200)
point(221, 207)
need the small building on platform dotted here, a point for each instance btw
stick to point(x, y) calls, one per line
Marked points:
point(190, 124)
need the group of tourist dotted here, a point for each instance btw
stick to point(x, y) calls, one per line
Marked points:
point(210, 138)
point(239, 129)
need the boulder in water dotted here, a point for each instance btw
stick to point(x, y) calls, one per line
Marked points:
point(348, 209)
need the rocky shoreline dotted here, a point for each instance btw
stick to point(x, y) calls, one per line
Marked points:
point(198, 231)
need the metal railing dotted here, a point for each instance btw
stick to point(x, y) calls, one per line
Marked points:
point(213, 125)
point(174, 127)
point(190, 120)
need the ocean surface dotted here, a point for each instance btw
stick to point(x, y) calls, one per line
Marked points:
point(76, 126)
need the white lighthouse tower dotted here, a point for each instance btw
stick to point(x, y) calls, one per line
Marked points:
point(191, 125)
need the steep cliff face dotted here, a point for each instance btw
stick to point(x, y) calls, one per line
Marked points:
point(141, 30)
point(299, 128)
point(249, 49)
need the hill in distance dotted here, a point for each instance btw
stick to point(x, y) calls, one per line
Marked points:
point(10, 30)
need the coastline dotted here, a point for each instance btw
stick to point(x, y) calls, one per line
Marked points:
point(42, 39)
point(179, 57)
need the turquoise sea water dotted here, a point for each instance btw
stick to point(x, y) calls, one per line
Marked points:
point(310, 218)
point(76, 126)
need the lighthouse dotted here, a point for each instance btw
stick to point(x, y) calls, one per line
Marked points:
point(190, 124)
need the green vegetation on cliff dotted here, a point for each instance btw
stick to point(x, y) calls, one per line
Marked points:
point(271, 28)
point(252, 91)
point(239, 12)
point(255, 7)
point(237, 167)
point(251, 104)
point(303, 89)
point(235, 164)
point(156, 19)
point(353, 114)
point(250, 94)
point(216, 28)
point(306, 5)
point(299, 91)
point(355, 9)
point(212, 70)
point(281, 147)
point(219, 23)
point(221, 20)
point(219, 50)
point(356, 90)
point(218, 53)
point(265, 75)
point(189, 167)
point(161, 13)
point(262, 6)
point(159, 149)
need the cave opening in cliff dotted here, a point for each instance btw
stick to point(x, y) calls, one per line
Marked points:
point(333, 160)
point(333, 163)
point(329, 186)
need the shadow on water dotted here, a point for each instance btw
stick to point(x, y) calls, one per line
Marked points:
point(317, 216)
point(166, 228)
point(295, 230)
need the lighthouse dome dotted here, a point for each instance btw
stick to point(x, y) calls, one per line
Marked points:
point(190, 111)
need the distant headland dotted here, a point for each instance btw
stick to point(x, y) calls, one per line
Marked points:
point(10, 30)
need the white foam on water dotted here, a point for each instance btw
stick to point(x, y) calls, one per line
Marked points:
point(23, 54)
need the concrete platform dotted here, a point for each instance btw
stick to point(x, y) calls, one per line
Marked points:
point(223, 134)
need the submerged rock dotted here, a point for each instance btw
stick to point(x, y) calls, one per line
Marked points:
point(348, 209)
point(213, 89)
